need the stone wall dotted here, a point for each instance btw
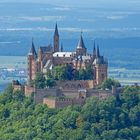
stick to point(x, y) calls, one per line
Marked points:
point(42, 93)
point(78, 84)
point(51, 103)
point(61, 103)
point(100, 93)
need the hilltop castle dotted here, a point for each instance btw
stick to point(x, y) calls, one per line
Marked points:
point(51, 56)
point(66, 92)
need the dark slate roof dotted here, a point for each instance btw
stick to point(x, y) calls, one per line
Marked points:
point(56, 30)
point(81, 43)
point(100, 60)
point(46, 49)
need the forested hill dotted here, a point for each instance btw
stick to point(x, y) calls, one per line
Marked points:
point(116, 118)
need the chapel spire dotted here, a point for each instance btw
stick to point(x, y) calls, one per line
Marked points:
point(56, 39)
point(32, 50)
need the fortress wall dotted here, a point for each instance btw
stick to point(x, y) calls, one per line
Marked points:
point(75, 85)
point(51, 103)
point(100, 93)
point(72, 93)
point(61, 103)
point(41, 93)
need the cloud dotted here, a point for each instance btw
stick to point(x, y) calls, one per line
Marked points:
point(115, 17)
point(61, 9)
point(43, 18)
point(32, 18)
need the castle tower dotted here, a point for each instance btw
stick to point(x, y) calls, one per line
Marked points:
point(32, 66)
point(100, 66)
point(56, 39)
point(81, 49)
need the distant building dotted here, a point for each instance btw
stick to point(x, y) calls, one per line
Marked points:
point(50, 56)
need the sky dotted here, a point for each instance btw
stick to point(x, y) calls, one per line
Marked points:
point(87, 3)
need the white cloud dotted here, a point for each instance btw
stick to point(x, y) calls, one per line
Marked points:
point(115, 17)
point(33, 18)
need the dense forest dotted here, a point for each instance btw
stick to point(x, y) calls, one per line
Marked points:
point(116, 118)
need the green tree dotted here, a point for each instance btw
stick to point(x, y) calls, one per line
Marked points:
point(40, 80)
point(108, 83)
point(59, 72)
point(50, 82)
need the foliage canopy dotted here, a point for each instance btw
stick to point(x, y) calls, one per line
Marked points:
point(116, 118)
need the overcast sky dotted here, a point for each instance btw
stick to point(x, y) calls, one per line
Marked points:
point(87, 3)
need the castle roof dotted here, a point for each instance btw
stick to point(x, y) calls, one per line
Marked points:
point(32, 50)
point(45, 49)
point(100, 60)
point(81, 42)
point(63, 54)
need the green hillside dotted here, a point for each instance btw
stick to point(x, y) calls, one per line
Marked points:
point(116, 118)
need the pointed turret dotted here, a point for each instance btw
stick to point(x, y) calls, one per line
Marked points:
point(56, 30)
point(56, 39)
point(32, 67)
point(32, 50)
point(81, 49)
point(81, 42)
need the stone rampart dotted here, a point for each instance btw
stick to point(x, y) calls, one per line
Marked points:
point(61, 103)
point(76, 85)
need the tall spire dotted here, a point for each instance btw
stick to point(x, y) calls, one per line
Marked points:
point(32, 50)
point(56, 30)
point(81, 42)
point(56, 39)
point(94, 50)
point(98, 51)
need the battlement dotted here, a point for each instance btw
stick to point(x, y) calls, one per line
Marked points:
point(60, 103)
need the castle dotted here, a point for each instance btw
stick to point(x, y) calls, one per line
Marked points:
point(51, 56)
point(67, 92)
